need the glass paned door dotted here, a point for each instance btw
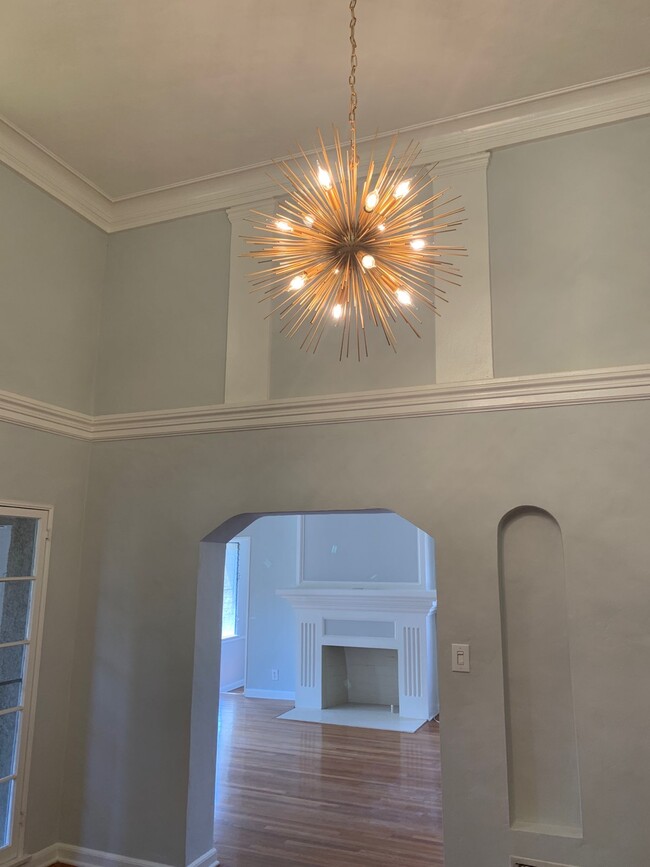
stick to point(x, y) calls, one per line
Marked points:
point(23, 534)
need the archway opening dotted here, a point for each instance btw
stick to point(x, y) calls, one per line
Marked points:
point(328, 744)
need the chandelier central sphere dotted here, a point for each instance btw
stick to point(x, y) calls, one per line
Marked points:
point(354, 253)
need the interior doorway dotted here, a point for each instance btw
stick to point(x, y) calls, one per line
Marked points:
point(311, 627)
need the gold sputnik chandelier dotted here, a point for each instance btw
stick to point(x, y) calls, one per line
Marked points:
point(340, 252)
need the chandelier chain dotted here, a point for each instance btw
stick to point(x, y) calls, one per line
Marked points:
point(352, 117)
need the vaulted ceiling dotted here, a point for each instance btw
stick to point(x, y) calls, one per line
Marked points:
point(140, 94)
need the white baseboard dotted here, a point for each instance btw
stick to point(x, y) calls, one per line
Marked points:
point(208, 859)
point(278, 694)
point(228, 687)
point(44, 857)
point(79, 856)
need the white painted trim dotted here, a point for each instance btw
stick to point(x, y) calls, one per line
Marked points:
point(228, 687)
point(343, 601)
point(208, 859)
point(26, 156)
point(43, 858)
point(38, 415)
point(569, 109)
point(566, 110)
point(606, 385)
point(525, 392)
point(79, 856)
point(533, 862)
point(277, 694)
point(32, 643)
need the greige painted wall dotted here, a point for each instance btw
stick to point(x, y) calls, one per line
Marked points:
point(51, 278)
point(152, 501)
point(570, 274)
point(128, 752)
point(48, 470)
point(52, 266)
point(164, 318)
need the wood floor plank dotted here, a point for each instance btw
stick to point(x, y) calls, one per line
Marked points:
point(295, 794)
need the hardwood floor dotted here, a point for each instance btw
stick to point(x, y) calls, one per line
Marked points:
point(294, 793)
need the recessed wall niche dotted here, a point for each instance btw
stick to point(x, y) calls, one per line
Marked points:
point(543, 779)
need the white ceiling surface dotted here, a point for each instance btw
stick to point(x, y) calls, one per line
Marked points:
point(140, 94)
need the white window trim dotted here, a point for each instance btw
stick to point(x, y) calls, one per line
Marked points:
point(24, 758)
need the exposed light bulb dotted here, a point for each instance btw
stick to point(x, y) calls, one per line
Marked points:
point(368, 261)
point(283, 226)
point(337, 270)
point(337, 311)
point(381, 227)
point(402, 189)
point(308, 220)
point(418, 243)
point(403, 297)
point(298, 282)
point(372, 200)
point(324, 178)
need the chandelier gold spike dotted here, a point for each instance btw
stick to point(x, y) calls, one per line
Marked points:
point(350, 255)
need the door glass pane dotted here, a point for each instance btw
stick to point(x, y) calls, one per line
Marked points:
point(8, 742)
point(6, 798)
point(15, 597)
point(11, 676)
point(17, 546)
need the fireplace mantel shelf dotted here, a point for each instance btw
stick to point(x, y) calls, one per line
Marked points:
point(421, 602)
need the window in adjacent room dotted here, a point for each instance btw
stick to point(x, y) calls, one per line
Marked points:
point(231, 592)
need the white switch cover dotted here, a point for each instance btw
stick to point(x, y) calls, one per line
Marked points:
point(460, 657)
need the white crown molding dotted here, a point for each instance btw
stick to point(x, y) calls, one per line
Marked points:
point(78, 856)
point(449, 139)
point(524, 392)
point(474, 162)
point(38, 165)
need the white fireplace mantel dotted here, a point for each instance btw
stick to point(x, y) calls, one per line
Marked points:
point(393, 618)
point(369, 599)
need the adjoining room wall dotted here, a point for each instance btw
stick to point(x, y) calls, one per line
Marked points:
point(570, 272)
point(360, 548)
point(271, 623)
point(233, 663)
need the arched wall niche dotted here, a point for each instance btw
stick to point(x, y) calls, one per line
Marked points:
point(543, 773)
point(207, 653)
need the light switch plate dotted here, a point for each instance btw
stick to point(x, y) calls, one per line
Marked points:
point(460, 657)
